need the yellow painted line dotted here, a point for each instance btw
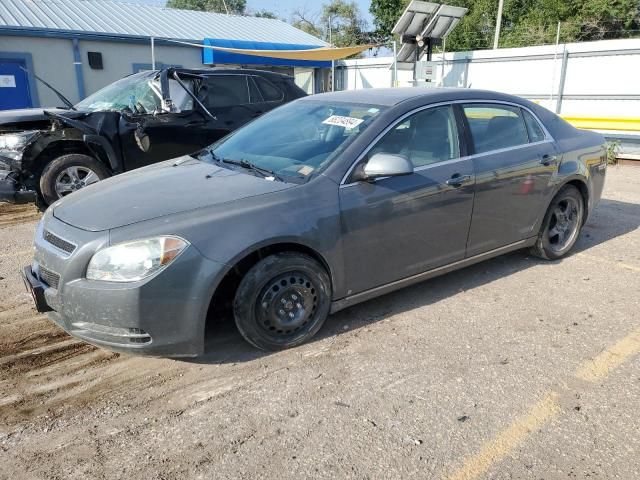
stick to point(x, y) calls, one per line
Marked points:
point(616, 263)
point(598, 368)
point(604, 123)
point(509, 439)
point(498, 448)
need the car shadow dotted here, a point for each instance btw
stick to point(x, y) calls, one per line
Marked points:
point(611, 219)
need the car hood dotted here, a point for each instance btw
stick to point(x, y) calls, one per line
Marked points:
point(26, 115)
point(166, 188)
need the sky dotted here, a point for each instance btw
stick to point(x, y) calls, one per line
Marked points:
point(284, 8)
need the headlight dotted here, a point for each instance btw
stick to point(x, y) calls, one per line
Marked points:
point(133, 261)
point(12, 144)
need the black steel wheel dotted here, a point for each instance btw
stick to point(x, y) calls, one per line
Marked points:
point(282, 301)
point(561, 225)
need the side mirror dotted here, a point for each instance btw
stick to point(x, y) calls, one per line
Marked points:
point(386, 165)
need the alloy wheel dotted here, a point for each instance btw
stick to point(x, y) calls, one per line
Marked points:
point(74, 178)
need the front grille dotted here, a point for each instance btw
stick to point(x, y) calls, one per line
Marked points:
point(58, 242)
point(50, 278)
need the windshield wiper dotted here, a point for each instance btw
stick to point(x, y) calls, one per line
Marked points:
point(265, 172)
point(64, 99)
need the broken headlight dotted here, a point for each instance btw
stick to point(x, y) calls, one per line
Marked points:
point(12, 144)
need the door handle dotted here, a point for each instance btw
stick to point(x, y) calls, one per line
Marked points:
point(548, 159)
point(458, 180)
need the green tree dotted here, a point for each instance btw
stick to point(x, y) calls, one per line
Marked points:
point(385, 14)
point(307, 22)
point(526, 22)
point(236, 7)
point(265, 14)
point(346, 23)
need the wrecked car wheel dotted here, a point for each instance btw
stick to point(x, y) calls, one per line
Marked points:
point(282, 301)
point(68, 173)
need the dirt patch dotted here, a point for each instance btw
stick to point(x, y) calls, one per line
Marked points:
point(15, 214)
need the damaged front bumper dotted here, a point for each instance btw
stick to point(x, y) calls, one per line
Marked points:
point(12, 191)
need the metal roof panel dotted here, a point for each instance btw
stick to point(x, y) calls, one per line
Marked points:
point(116, 18)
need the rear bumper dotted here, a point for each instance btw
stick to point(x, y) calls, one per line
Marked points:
point(11, 191)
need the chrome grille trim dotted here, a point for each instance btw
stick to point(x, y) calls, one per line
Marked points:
point(58, 242)
point(49, 277)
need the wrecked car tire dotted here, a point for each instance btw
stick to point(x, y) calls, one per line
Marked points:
point(68, 173)
point(282, 301)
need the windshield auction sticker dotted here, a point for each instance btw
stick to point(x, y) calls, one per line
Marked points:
point(340, 121)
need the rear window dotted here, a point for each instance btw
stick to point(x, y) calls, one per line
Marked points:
point(494, 127)
point(226, 91)
point(269, 91)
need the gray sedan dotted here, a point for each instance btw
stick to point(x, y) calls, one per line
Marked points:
point(320, 204)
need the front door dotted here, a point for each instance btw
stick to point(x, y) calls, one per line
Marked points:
point(514, 161)
point(397, 227)
point(14, 85)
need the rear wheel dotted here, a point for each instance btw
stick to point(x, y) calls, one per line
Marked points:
point(282, 301)
point(69, 173)
point(561, 225)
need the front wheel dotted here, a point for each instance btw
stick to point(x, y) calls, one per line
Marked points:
point(282, 301)
point(561, 225)
point(68, 173)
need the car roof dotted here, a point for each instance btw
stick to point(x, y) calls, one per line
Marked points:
point(393, 96)
point(219, 70)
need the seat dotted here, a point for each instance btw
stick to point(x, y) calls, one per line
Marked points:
point(504, 132)
point(430, 140)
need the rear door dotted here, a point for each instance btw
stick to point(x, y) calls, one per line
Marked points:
point(397, 227)
point(514, 159)
point(227, 97)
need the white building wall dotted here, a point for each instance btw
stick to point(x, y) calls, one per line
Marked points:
point(118, 59)
point(52, 61)
point(601, 78)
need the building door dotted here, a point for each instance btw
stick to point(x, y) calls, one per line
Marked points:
point(14, 85)
point(304, 79)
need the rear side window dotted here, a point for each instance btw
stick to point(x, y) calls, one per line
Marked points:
point(536, 134)
point(495, 126)
point(269, 91)
point(225, 91)
point(254, 94)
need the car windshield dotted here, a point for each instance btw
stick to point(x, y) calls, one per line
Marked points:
point(296, 140)
point(139, 93)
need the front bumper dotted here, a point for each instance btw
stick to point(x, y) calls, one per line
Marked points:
point(164, 315)
point(11, 191)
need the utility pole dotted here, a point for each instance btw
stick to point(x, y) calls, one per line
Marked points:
point(333, 62)
point(496, 38)
point(153, 53)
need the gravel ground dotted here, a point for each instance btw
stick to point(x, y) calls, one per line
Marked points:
point(513, 368)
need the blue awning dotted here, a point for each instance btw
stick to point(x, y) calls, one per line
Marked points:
point(211, 56)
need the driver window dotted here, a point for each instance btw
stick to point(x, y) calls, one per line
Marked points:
point(427, 137)
point(181, 100)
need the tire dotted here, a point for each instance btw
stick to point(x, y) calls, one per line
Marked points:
point(68, 173)
point(282, 301)
point(561, 225)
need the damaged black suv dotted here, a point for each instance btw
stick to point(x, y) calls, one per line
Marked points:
point(141, 119)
